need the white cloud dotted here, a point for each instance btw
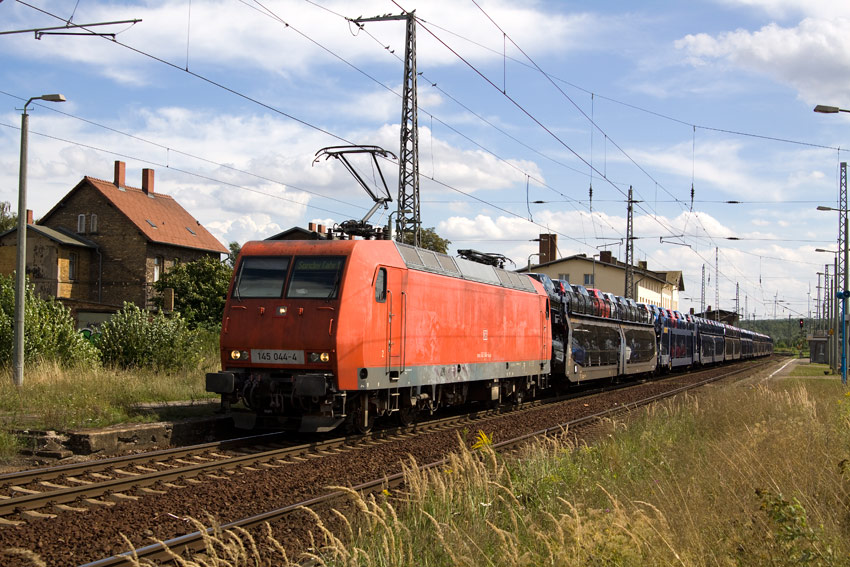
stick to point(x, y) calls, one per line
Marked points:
point(813, 56)
point(293, 37)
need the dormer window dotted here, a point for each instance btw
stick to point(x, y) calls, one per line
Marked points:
point(81, 224)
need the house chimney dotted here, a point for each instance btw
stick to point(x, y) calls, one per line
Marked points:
point(311, 227)
point(321, 229)
point(29, 216)
point(548, 247)
point(120, 170)
point(147, 181)
point(606, 257)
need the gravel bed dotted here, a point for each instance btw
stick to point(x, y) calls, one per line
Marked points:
point(73, 538)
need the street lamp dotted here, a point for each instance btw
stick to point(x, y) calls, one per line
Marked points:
point(823, 109)
point(21, 252)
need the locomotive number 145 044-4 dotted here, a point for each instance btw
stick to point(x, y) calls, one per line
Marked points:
point(273, 356)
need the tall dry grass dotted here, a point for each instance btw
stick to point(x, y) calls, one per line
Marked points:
point(744, 475)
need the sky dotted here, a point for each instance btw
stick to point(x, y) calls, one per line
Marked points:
point(534, 117)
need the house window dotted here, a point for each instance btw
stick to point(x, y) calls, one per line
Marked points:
point(565, 277)
point(93, 225)
point(588, 279)
point(157, 268)
point(72, 266)
point(81, 224)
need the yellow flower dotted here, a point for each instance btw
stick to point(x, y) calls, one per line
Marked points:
point(482, 440)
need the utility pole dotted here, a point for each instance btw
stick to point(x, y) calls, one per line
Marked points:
point(408, 218)
point(842, 265)
point(630, 249)
point(737, 299)
point(717, 286)
point(702, 294)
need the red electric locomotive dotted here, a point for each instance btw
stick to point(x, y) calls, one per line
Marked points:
point(319, 334)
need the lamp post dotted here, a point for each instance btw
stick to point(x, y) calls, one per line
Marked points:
point(843, 293)
point(21, 252)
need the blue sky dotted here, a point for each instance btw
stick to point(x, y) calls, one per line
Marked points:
point(229, 100)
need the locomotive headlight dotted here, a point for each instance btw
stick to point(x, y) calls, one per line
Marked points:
point(319, 357)
point(238, 355)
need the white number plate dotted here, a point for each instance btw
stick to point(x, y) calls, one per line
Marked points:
point(266, 356)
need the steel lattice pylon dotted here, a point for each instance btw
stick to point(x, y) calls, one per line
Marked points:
point(408, 219)
point(629, 286)
point(408, 164)
point(842, 226)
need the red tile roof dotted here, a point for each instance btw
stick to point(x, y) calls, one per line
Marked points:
point(159, 217)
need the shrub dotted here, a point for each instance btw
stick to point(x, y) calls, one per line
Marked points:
point(200, 288)
point(134, 338)
point(50, 334)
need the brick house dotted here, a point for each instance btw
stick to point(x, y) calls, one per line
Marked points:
point(106, 242)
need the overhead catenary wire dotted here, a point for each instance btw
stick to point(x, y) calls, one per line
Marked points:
point(534, 64)
point(484, 201)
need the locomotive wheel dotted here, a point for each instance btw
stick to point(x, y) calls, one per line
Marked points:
point(358, 423)
point(406, 416)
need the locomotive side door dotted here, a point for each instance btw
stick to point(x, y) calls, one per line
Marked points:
point(395, 319)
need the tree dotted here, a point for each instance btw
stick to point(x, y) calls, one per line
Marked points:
point(235, 247)
point(7, 219)
point(429, 240)
point(200, 288)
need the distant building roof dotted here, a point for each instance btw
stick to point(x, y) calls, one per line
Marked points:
point(158, 217)
point(298, 233)
point(660, 276)
point(674, 278)
point(59, 236)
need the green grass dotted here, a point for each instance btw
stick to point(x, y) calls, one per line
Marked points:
point(59, 398)
point(10, 445)
point(811, 370)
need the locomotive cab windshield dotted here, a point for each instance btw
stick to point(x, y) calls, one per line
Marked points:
point(261, 276)
point(313, 277)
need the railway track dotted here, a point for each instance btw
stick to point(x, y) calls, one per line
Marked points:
point(45, 492)
point(195, 541)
